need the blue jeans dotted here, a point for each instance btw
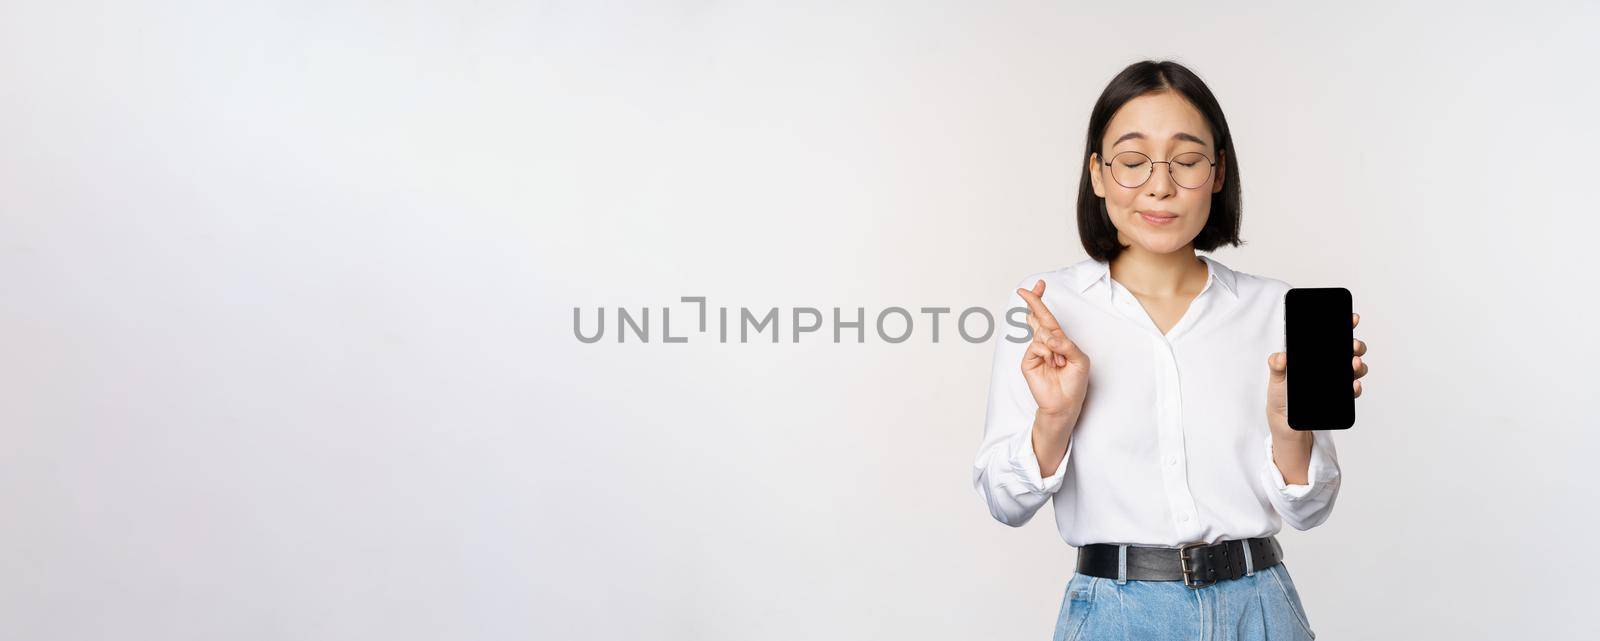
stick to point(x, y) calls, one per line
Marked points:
point(1264, 605)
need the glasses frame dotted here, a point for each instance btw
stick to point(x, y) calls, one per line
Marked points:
point(1168, 163)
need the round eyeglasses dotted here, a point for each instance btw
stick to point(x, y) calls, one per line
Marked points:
point(1190, 170)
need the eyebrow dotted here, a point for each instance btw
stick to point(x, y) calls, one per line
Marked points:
point(1177, 136)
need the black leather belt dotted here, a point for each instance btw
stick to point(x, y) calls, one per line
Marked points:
point(1196, 564)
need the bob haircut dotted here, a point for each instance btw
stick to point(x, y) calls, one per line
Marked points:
point(1099, 236)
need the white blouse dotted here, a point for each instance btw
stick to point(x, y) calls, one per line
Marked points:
point(1172, 445)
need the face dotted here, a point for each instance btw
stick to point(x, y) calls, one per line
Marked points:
point(1161, 216)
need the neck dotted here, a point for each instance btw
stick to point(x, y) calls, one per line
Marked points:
point(1146, 274)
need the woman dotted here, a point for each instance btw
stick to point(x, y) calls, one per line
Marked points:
point(1169, 461)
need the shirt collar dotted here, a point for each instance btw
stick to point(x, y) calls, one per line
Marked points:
point(1090, 271)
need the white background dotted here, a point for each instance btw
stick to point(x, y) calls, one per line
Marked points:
point(286, 299)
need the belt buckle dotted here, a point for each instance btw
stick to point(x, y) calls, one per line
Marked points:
point(1183, 563)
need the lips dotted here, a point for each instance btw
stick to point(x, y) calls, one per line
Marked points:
point(1158, 218)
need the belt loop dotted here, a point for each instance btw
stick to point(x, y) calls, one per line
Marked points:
point(1122, 564)
point(1249, 564)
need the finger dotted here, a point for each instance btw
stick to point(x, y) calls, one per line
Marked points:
point(1037, 307)
point(1359, 367)
point(1360, 347)
point(1054, 340)
point(1357, 385)
point(1036, 355)
point(1039, 333)
point(1277, 364)
point(1060, 344)
point(1355, 319)
point(1057, 349)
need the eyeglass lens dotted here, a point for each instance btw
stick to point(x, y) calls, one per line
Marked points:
point(1189, 170)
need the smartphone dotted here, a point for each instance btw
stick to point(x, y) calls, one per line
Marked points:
point(1319, 342)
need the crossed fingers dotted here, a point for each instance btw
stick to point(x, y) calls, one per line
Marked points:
point(1049, 342)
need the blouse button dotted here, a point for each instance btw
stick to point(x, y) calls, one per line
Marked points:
point(1172, 460)
point(1184, 517)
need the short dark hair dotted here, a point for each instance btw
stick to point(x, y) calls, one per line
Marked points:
point(1099, 236)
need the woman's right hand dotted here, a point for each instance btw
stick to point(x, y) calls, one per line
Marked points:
point(1056, 370)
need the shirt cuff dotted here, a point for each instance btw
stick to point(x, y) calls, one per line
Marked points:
point(1025, 467)
point(1320, 472)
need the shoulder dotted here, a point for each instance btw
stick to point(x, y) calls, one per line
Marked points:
point(1264, 297)
point(1263, 294)
point(1073, 276)
point(1264, 285)
point(1253, 286)
point(1054, 280)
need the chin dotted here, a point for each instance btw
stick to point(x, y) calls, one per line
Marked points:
point(1162, 245)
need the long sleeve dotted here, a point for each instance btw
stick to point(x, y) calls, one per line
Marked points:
point(1006, 473)
point(1305, 506)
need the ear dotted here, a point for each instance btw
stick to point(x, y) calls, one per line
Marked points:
point(1222, 171)
point(1094, 175)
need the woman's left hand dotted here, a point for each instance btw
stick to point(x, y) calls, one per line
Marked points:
point(1278, 388)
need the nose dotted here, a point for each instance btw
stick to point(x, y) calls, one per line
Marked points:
point(1160, 184)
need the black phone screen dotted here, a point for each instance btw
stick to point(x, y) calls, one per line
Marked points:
point(1319, 342)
